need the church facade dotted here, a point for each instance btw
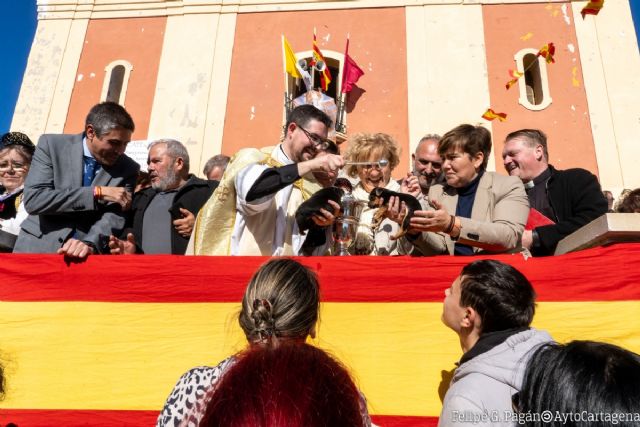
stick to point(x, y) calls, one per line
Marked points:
point(212, 73)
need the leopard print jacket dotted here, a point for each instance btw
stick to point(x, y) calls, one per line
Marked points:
point(187, 403)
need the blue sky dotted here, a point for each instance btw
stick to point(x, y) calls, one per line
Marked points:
point(18, 25)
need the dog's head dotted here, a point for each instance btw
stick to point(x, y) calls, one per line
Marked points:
point(376, 199)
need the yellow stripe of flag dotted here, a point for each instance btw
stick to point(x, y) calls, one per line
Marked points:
point(88, 355)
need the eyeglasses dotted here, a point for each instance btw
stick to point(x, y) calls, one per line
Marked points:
point(318, 142)
point(16, 166)
point(377, 165)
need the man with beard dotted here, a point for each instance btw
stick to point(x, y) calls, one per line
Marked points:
point(569, 198)
point(163, 215)
point(253, 210)
point(79, 186)
point(427, 164)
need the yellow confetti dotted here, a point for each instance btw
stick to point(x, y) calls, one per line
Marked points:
point(574, 73)
point(526, 37)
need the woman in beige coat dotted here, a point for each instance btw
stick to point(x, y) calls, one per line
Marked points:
point(474, 210)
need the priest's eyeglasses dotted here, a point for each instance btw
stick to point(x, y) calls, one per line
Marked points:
point(318, 142)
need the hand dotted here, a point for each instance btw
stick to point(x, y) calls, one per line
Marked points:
point(326, 163)
point(184, 225)
point(75, 250)
point(436, 221)
point(410, 185)
point(327, 218)
point(527, 239)
point(118, 195)
point(396, 210)
point(122, 247)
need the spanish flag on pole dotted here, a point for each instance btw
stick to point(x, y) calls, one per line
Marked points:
point(290, 62)
point(325, 75)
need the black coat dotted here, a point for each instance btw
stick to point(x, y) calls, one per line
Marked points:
point(9, 206)
point(192, 196)
point(576, 199)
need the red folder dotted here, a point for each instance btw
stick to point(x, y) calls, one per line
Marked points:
point(536, 219)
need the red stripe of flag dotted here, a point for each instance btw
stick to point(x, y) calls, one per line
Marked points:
point(116, 418)
point(598, 274)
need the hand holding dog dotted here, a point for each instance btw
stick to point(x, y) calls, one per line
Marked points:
point(396, 210)
point(436, 221)
point(327, 218)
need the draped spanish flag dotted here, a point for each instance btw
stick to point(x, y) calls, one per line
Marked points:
point(103, 342)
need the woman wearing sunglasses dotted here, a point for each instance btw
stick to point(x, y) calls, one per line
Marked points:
point(16, 152)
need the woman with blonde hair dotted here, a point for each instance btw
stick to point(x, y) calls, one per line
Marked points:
point(280, 306)
point(368, 149)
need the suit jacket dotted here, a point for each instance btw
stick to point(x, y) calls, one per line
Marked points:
point(498, 217)
point(60, 207)
point(576, 199)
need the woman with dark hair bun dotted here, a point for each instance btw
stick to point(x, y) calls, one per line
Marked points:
point(586, 382)
point(280, 307)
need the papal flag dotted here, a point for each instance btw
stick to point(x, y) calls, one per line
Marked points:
point(290, 61)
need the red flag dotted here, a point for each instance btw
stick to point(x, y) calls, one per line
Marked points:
point(492, 115)
point(547, 51)
point(592, 8)
point(350, 71)
point(325, 75)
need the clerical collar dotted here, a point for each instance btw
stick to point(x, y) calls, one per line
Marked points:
point(540, 179)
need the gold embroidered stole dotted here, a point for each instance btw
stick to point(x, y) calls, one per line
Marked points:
point(216, 220)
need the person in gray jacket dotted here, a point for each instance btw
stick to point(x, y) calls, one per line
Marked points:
point(490, 306)
point(79, 187)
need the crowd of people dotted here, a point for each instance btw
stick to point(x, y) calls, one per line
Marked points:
point(81, 194)
point(78, 195)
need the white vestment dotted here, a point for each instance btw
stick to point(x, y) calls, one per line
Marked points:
point(267, 226)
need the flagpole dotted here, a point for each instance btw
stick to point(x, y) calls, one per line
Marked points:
point(313, 61)
point(344, 94)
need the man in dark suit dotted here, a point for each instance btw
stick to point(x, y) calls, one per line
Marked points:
point(79, 187)
point(569, 198)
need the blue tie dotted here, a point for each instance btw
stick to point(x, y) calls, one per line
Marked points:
point(90, 168)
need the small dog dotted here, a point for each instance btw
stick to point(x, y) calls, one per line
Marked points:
point(320, 200)
point(379, 198)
